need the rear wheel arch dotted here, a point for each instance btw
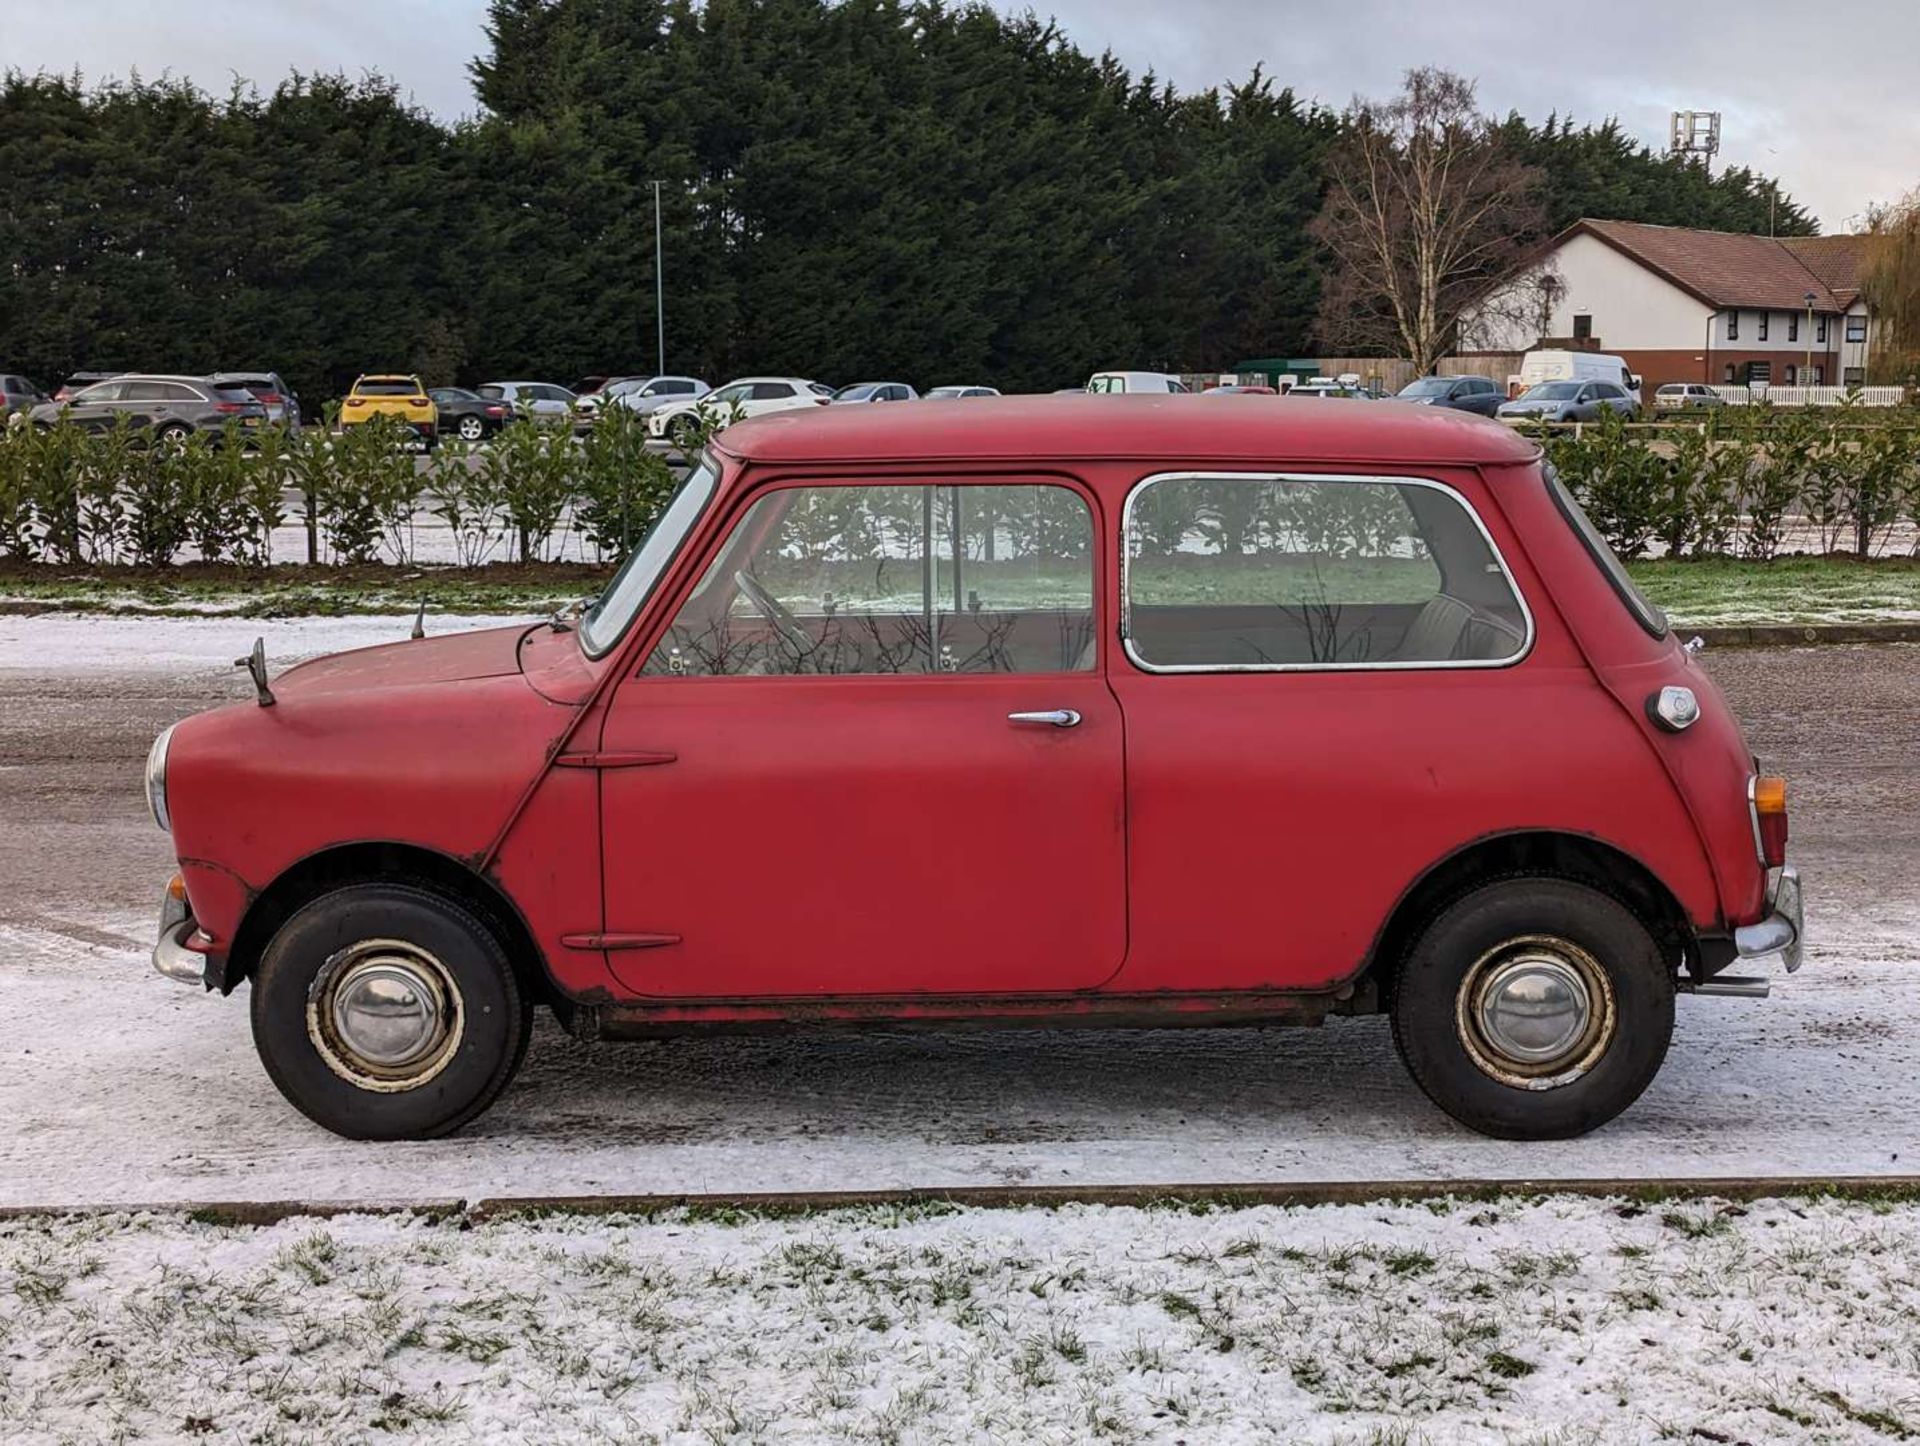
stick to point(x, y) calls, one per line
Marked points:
point(388, 862)
point(1578, 858)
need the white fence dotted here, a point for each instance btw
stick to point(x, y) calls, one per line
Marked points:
point(1813, 396)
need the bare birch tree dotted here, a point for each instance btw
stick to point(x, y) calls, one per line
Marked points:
point(1428, 214)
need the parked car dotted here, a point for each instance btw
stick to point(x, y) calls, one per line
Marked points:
point(391, 395)
point(587, 386)
point(876, 392)
point(1677, 396)
point(774, 778)
point(642, 394)
point(544, 402)
point(947, 394)
point(468, 415)
point(1336, 390)
point(1569, 402)
point(1480, 395)
point(1135, 382)
point(679, 421)
point(170, 408)
point(79, 382)
point(283, 407)
point(17, 394)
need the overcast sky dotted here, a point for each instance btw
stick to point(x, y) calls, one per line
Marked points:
point(1819, 92)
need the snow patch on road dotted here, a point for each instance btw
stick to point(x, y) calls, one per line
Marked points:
point(159, 1098)
point(66, 643)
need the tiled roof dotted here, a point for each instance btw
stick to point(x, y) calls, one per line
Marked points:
point(1836, 260)
point(1730, 268)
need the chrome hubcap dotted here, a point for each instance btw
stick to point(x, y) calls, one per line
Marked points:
point(385, 1015)
point(1536, 1012)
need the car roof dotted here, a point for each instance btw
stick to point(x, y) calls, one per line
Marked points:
point(1173, 427)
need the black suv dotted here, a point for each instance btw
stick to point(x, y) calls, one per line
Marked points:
point(1479, 395)
point(172, 408)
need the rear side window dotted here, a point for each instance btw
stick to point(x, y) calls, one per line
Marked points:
point(1256, 572)
point(1644, 612)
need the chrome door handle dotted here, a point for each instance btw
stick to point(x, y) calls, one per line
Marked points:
point(1053, 718)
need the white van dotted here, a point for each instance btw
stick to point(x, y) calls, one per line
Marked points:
point(1576, 366)
point(1136, 382)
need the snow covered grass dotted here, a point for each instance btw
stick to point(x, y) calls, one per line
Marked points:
point(1514, 1320)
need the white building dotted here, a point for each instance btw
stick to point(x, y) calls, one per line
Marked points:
point(1680, 305)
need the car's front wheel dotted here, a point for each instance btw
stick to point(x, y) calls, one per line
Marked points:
point(385, 1011)
point(472, 429)
point(1533, 1009)
point(685, 431)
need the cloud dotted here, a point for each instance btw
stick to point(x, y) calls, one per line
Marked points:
point(1821, 96)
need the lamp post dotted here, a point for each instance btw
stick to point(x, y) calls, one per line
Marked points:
point(1806, 377)
point(660, 288)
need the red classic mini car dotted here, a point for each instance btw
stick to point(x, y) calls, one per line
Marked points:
point(1056, 711)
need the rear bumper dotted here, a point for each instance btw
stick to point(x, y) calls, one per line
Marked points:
point(1782, 932)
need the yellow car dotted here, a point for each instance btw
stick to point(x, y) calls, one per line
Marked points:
point(394, 396)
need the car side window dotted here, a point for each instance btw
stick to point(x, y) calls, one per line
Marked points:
point(771, 391)
point(870, 580)
point(1264, 572)
point(142, 392)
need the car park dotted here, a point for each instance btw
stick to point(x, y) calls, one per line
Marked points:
point(1569, 402)
point(643, 395)
point(681, 420)
point(267, 388)
point(169, 409)
point(820, 755)
point(1679, 396)
point(395, 395)
point(875, 392)
point(544, 402)
point(955, 393)
point(1108, 382)
point(1480, 395)
point(17, 394)
point(466, 414)
point(1555, 365)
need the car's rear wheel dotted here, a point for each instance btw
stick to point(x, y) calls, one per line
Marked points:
point(384, 1011)
point(472, 429)
point(1533, 1009)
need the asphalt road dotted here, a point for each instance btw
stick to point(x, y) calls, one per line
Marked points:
point(120, 1086)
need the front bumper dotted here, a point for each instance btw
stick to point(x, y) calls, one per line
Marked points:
point(1783, 931)
point(180, 952)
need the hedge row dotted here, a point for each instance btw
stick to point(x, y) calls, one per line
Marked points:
point(1735, 485)
point(1726, 487)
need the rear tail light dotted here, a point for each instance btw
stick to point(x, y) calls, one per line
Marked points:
point(1768, 798)
point(417, 401)
point(271, 399)
point(228, 408)
point(356, 401)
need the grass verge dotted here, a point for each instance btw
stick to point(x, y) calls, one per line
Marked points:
point(1705, 593)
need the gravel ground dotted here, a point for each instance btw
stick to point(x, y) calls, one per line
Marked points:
point(124, 1088)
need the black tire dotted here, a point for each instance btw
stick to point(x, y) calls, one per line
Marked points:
point(315, 1068)
point(1459, 1067)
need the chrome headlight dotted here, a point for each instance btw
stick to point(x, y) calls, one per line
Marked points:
point(157, 780)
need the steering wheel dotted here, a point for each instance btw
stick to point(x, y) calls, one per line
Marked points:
point(774, 611)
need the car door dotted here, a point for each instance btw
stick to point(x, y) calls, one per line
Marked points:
point(95, 408)
point(872, 753)
point(1315, 714)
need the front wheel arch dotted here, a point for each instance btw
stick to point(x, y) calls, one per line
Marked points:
point(439, 873)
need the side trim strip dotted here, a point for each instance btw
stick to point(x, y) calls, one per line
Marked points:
point(614, 760)
point(618, 941)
